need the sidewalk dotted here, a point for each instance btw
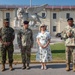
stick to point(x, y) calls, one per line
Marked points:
point(53, 69)
point(36, 62)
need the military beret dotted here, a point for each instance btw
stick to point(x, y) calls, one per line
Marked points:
point(70, 19)
point(26, 22)
point(6, 20)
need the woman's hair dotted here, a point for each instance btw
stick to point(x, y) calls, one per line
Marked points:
point(41, 26)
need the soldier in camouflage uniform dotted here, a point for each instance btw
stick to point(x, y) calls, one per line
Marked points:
point(25, 42)
point(6, 40)
point(69, 36)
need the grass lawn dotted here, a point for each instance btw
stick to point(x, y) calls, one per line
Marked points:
point(58, 53)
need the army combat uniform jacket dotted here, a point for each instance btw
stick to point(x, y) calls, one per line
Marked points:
point(69, 41)
point(25, 37)
point(7, 35)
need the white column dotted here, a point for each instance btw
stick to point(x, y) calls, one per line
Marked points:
point(19, 23)
point(15, 22)
point(15, 19)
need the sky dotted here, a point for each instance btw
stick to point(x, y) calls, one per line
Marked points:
point(37, 2)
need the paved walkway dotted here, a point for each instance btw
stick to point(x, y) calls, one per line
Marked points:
point(53, 69)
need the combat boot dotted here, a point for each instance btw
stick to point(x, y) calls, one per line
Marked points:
point(3, 67)
point(28, 66)
point(67, 67)
point(10, 67)
point(74, 67)
point(24, 66)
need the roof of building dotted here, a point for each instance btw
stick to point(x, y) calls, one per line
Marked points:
point(49, 6)
point(61, 7)
point(13, 6)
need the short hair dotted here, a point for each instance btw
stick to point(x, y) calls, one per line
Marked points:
point(6, 20)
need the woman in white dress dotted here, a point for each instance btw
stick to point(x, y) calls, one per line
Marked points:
point(44, 53)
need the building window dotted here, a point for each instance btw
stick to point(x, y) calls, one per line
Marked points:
point(8, 16)
point(67, 15)
point(54, 15)
point(54, 28)
point(43, 15)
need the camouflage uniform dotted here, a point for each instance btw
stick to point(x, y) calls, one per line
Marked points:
point(7, 35)
point(69, 43)
point(25, 41)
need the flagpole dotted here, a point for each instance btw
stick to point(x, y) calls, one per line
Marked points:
point(30, 3)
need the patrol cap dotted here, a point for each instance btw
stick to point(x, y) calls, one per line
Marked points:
point(6, 20)
point(70, 19)
point(26, 22)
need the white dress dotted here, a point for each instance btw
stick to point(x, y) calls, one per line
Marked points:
point(44, 54)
